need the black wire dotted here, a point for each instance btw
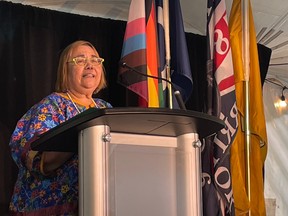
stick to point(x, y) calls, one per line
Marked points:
point(279, 64)
point(282, 86)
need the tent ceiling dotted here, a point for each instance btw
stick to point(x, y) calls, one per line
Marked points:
point(270, 19)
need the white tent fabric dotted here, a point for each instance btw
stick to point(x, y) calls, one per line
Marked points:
point(276, 170)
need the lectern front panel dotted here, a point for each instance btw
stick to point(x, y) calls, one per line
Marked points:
point(142, 181)
point(159, 180)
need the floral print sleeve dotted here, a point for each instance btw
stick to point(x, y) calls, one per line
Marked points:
point(36, 121)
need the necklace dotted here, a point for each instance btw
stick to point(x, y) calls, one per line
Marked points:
point(76, 107)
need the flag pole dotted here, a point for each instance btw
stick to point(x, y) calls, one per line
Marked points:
point(167, 48)
point(246, 61)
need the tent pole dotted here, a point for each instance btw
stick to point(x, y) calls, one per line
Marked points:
point(246, 61)
point(167, 48)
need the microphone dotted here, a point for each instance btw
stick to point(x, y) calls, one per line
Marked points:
point(177, 93)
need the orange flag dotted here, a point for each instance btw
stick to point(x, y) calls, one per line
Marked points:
point(257, 122)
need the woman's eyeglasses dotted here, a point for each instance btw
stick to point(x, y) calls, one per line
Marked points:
point(83, 61)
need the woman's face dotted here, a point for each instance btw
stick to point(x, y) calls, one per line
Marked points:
point(84, 79)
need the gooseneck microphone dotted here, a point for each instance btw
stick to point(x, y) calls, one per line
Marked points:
point(177, 93)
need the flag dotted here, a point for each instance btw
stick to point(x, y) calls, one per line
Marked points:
point(144, 49)
point(220, 102)
point(162, 49)
point(257, 123)
point(139, 40)
point(155, 91)
point(180, 64)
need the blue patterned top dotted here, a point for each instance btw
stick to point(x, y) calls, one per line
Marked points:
point(34, 192)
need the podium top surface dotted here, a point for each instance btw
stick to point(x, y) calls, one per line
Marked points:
point(145, 121)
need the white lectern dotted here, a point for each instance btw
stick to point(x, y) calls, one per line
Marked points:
point(135, 161)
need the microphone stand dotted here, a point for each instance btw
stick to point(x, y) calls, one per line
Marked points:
point(177, 93)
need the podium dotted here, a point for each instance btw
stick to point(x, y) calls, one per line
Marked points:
point(135, 161)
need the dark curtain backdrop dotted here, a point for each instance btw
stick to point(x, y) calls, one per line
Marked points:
point(31, 40)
